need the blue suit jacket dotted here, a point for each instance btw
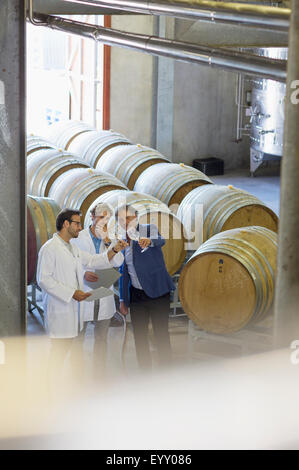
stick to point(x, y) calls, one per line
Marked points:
point(149, 265)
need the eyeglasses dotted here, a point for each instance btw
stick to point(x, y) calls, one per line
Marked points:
point(75, 222)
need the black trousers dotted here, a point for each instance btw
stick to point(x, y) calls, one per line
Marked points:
point(142, 310)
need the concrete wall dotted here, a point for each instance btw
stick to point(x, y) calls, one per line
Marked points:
point(131, 83)
point(13, 263)
point(195, 114)
point(205, 116)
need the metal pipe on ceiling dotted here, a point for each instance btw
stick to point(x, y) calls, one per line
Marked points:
point(206, 10)
point(30, 15)
point(234, 61)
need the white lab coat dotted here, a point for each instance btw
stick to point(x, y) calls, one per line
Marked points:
point(107, 304)
point(58, 274)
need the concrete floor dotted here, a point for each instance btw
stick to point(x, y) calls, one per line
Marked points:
point(265, 187)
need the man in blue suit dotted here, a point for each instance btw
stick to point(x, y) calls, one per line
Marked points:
point(145, 287)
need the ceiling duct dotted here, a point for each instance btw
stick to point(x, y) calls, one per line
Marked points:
point(183, 51)
point(254, 15)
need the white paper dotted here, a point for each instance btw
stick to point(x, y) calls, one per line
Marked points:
point(99, 294)
point(107, 277)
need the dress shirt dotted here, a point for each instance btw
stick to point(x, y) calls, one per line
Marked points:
point(96, 241)
point(131, 270)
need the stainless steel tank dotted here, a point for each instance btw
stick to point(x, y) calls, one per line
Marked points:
point(267, 116)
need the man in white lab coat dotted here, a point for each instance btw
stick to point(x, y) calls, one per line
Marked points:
point(60, 273)
point(94, 239)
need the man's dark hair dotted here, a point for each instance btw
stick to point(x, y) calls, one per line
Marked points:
point(65, 214)
point(128, 208)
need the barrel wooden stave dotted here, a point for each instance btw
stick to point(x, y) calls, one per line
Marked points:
point(228, 283)
point(92, 145)
point(129, 161)
point(224, 208)
point(170, 182)
point(41, 224)
point(151, 211)
point(31, 248)
point(45, 166)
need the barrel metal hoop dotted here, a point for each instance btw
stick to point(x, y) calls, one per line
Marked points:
point(70, 136)
point(164, 185)
point(89, 148)
point(65, 196)
point(125, 159)
point(46, 177)
point(76, 195)
point(190, 201)
point(227, 212)
point(56, 166)
point(211, 207)
point(38, 171)
point(170, 190)
point(269, 234)
point(82, 189)
point(91, 184)
point(129, 170)
point(97, 146)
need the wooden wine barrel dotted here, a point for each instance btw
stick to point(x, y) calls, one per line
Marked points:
point(229, 281)
point(80, 187)
point(45, 166)
point(150, 211)
point(35, 143)
point(62, 133)
point(223, 208)
point(129, 161)
point(170, 182)
point(41, 224)
point(92, 145)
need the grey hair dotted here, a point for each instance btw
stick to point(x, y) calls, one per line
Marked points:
point(100, 208)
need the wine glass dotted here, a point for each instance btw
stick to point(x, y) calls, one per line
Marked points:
point(134, 235)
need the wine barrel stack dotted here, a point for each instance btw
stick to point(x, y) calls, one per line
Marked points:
point(49, 162)
point(227, 284)
point(150, 211)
